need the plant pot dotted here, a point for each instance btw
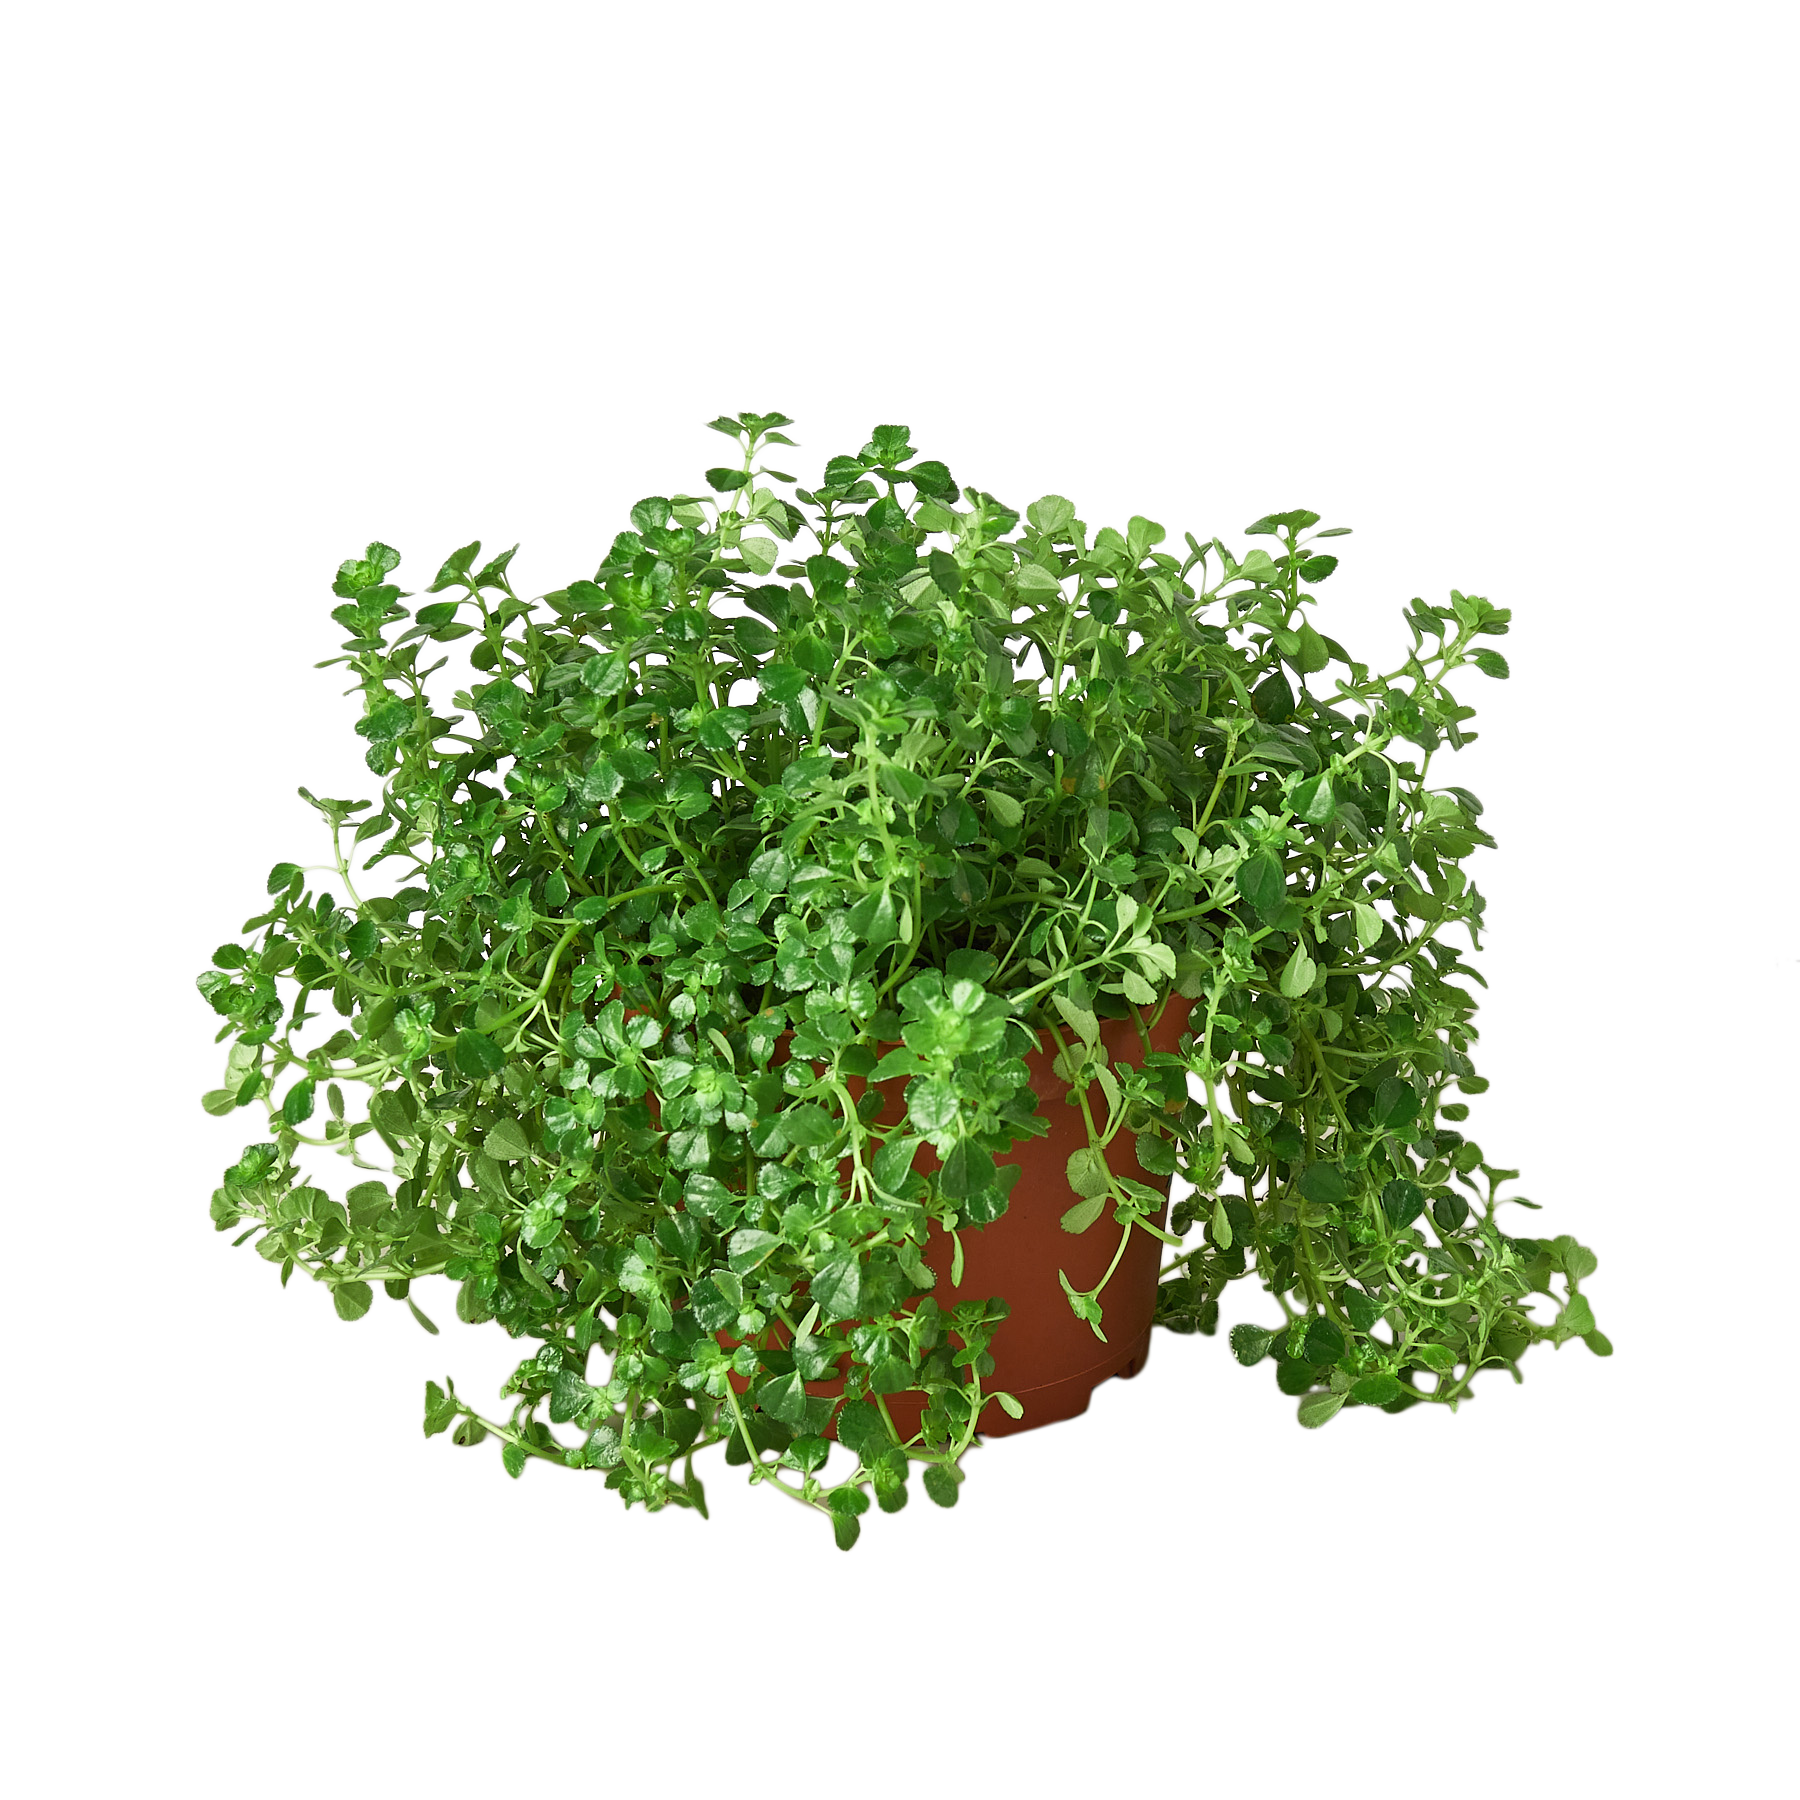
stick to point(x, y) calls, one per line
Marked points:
point(1044, 1356)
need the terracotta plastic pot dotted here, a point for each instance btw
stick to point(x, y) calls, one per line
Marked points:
point(1046, 1358)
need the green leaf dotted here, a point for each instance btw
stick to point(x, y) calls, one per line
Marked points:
point(893, 1162)
point(513, 1458)
point(1396, 1103)
point(604, 676)
point(602, 782)
point(862, 1433)
point(1368, 924)
point(837, 1288)
point(1376, 1390)
point(1221, 1224)
point(1261, 881)
point(506, 1141)
point(1301, 971)
point(846, 1503)
point(941, 1483)
point(786, 1399)
point(297, 1108)
point(1402, 1201)
point(1078, 1018)
point(440, 1410)
point(875, 919)
point(1577, 1317)
point(1491, 662)
point(1316, 1409)
point(352, 1299)
point(1003, 809)
point(456, 568)
point(1294, 1377)
point(1088, 1175)
point(1052, 515)
point(478, 1056)
point(762, 554)
point(1314, 652)
point(1324, 1183)
point(569, 1397)
point(1250, 1344)
point(1577, 1262)
point(1083, 1213)
point(1312, 800)
point(750, 1248)
point(772, 870)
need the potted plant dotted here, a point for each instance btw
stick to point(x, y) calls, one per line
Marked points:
point(762, 913)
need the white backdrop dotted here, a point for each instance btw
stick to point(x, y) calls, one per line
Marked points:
point(1638, 769)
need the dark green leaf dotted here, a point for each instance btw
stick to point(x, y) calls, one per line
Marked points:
point(478, 1056)
point(1261, 881)
point(941, 1483)
point(1324, 1183)
point(837, 1287)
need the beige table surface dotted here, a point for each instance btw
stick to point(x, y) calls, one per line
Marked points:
point(1649, 1118)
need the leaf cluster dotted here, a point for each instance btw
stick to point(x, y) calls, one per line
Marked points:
point(803, 793)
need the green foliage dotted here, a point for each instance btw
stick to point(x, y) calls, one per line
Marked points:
point(882, 779)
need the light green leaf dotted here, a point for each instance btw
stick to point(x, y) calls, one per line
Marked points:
point(1297, 978)
point(1003, 809)
point(352, 1299)
point(1577, 1316)
point(1577, 1261)
point(1137, 990)
point(1078, 1019)
point(1158, 958)
point(1083, 1213)
point(1368, 924)
point(506, 1142)
point(1052, 515)
point(1088, 1173)
point(1316, 1409)
point(761, 554)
